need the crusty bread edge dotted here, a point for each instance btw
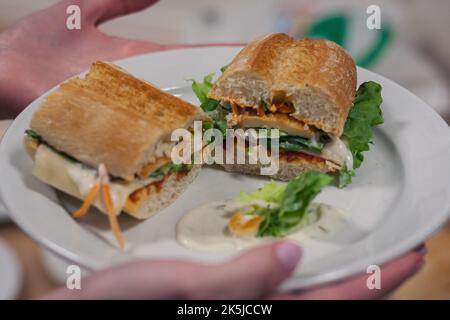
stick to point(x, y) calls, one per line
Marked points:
point(286, 172)
point(75, 140)
point(341, 102)
point(171, 189)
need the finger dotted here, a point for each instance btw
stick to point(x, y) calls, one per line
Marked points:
point(253, 275)
point(392, 275)
point(138, 280)
point(99, 11)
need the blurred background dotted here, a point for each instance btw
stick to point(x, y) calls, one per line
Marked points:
point(412, 48)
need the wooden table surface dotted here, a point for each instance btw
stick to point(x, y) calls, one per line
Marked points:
point(432, 282)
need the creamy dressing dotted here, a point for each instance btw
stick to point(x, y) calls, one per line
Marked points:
point(337, 151)
point(76, 179)
point(206, 228)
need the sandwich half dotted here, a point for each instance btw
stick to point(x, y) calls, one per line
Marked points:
point(110, 118)
point(305, 88)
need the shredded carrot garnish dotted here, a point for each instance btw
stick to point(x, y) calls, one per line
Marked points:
point(103, 183)
point(237, 227)
point(111, 215)
point(87, 201)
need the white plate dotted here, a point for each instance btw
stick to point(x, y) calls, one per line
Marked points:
point(398, 199)
point(10, 273)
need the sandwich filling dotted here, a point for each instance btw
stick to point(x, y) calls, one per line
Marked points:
point(342, 154)
point(71, 176)
point(295, 135)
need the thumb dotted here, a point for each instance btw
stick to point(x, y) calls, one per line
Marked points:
point(254, 274)
point(99, 11)
point(392, 275)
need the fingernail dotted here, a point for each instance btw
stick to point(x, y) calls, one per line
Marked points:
point(288, 253)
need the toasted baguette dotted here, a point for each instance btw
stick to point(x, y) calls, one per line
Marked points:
point(317, 76)
point(147, 201)
point(111, 117)
point(154, 200)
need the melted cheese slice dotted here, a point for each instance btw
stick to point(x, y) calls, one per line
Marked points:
point(76, 180)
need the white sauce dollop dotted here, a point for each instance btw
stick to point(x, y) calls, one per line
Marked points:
point(206, 228)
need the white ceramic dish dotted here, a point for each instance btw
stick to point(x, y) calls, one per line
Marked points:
point(397, 200)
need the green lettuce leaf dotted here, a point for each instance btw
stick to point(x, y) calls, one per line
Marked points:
point(358, 130)
point(293, 200)
point(299, 194)
point(297, 144)
point(344, 177)
point(270, 192)
point(364, 114)
point(225, 67)
point(294, 143)
point(34, 135)
point(201, 89)
point(169, 168)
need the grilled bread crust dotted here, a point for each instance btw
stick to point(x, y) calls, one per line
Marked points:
point(111, 117)
point(317, 76)
point(287, 171)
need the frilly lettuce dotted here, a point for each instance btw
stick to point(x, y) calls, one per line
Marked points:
point(270, 192)
point(365, 114)
point(293, 201)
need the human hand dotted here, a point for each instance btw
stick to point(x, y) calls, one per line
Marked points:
point(253, 275)
point(38, 51)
